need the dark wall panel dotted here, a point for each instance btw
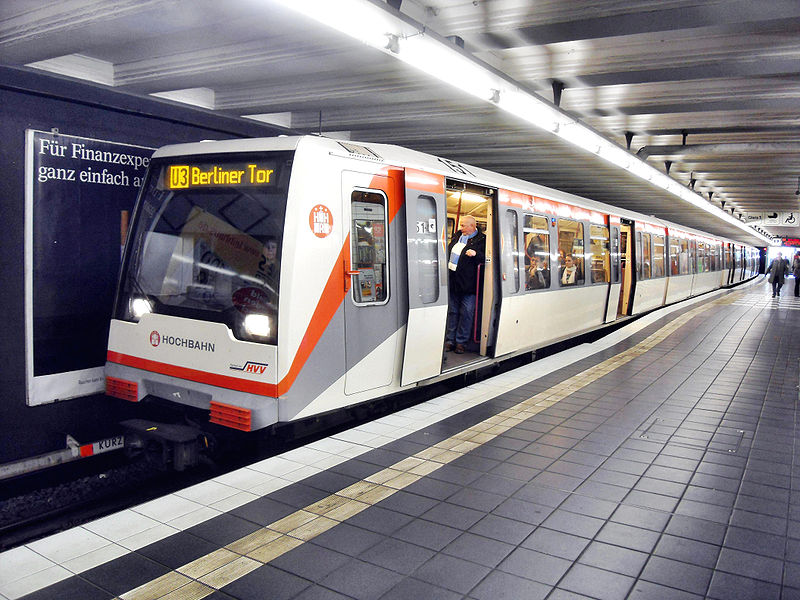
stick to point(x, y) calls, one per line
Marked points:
point(32, 101)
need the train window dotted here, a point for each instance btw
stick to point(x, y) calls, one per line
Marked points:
point(674, 255)
point(427, 242)
point(658, 255)
point(368, 246)
point(638, 255)
point(510, 247)
point(702, 257)
point(570, 253)
point(451, 228)
point(537, 252)
point(599, 254)
point(683, 256)
point(728, 260)
point(646, 258)
point(615, 255)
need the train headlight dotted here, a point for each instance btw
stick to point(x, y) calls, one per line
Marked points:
point(258, 325)
point(140, 307)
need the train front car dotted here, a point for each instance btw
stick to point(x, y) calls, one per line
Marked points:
point(196, 314)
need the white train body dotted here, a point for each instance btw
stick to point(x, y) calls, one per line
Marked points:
point(269, 280)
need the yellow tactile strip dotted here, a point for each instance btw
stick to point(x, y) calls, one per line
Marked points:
point(206, 574)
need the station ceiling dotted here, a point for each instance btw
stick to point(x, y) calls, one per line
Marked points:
point(706, 91)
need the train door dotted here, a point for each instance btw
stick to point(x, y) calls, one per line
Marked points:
point(612, 301)
point(728, 263)
point(485, 329)
point(740, 254)
point(626, 268)
point(370, 309)
point(476, 201)
point(426, 232)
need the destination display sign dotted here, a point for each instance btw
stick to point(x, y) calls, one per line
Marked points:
point(209, 175)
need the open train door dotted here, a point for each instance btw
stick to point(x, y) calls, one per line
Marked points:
point(615, 285)
point(427, 276)
point(627, 262)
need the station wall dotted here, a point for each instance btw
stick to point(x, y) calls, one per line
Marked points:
point(32, 101)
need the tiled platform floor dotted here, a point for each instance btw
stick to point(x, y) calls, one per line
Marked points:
point(663, 466)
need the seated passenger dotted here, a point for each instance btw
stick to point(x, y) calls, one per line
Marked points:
point(569, 272)
point(538, 276)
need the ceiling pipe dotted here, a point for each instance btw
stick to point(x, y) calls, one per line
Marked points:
point(558, 89)
point(736, 148)
point(629, 138)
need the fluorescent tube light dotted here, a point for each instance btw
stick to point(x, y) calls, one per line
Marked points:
point(373, 24)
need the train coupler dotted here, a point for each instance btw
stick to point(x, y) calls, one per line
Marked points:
point(179, 446)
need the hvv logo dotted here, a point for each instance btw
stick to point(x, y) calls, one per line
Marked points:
point(256, 368)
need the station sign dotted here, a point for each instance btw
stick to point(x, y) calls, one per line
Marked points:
point(774, 218)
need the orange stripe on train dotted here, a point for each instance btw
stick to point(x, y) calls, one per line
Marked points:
point(226, 381)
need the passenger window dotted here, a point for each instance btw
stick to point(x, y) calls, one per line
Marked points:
point(368, 247)
point(638, 255)
point(570, 253)
point(658, 255)
point(646, 259)
point(427, 250)
point(674, 256)
point(702, 258)
point(683, 257)
point(615, 255)
point(537, 252)
point(599, 254)
point(511, 251)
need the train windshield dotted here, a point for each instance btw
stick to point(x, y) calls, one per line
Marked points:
point(206, 242)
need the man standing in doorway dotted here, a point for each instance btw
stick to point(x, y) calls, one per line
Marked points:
point(465, 255)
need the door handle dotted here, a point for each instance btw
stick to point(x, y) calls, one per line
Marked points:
point(349, 273)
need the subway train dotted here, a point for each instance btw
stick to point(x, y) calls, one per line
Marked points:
point(270, 280)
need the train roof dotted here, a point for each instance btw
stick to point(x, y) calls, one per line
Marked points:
point(397, 155)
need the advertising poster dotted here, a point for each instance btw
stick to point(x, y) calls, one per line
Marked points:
point(78, 195)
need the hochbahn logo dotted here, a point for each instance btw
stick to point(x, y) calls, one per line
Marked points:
point(156, 339)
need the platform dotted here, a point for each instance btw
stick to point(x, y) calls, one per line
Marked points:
point(659, 462)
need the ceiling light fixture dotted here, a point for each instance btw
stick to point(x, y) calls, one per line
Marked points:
point(401, 37)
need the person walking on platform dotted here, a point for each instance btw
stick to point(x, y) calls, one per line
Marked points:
point(778, 270)
point(796, 273)
point(465, 254)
